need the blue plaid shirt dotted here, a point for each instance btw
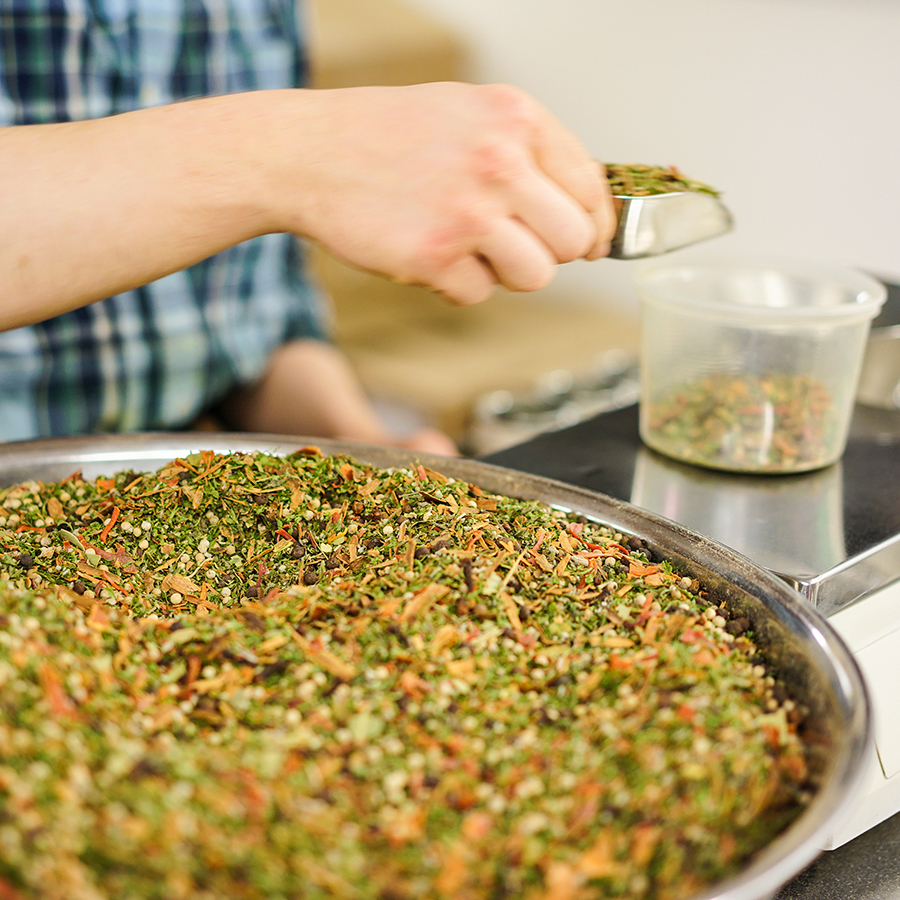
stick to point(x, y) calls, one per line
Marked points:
point(156, 357)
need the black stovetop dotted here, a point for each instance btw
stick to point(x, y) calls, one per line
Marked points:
point(833, 533)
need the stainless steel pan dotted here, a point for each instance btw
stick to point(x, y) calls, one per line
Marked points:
point(798, 642)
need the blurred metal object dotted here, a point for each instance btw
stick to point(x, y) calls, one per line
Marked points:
point(559, 399)
point(879, 379)
point(649, 226)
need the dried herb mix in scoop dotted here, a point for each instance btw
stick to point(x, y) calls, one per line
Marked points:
point(634, 180)
point(249, 676)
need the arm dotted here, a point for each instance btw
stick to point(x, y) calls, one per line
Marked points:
point(455, 187)
point(310, 388)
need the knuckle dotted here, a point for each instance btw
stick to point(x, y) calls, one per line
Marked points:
point(513, 106)
point(588, 185)
point(498, 162)
point(438, 251)
point(500, 154)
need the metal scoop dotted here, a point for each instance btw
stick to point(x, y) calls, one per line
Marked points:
point(659, 223)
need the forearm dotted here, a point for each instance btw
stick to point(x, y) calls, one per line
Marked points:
point(455, 187)
point(93, 208)
point(309, 388)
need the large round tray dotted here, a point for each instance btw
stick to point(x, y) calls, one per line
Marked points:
point(798, 642)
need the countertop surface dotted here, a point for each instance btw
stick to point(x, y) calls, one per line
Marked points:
point(867, 868)
point(847, 512)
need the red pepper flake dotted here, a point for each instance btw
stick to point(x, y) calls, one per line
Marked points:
point(423, 600)
point(477, 825)
point(184, 586)
point(113, 516)
point(323, 657)
point(412, 685)
point(8, 892)
point(256, 798)
point(51, 683)
point(599, 861)
point(651, 628)
point(645, 840)
point(97, 618)
point(795, 766)
point(512, 612)
point(772, 735)
point(120, 557)
point(309, 450)
point(645, 610)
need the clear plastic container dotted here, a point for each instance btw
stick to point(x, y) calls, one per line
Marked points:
point(752, 365)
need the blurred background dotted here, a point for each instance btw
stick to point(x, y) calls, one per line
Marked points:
point(790, 107)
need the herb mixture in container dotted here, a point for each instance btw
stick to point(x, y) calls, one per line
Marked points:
point(253, 676)
point(752, 365)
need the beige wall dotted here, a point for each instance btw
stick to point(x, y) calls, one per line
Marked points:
point(791, 107)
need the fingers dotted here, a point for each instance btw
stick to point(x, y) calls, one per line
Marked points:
point(566, 227)
point(558, 189)
point(468, 187)
point(605, 218)
point(567, 163)
point(550, 227)
point(518, 257)
point(510, 254)
point(466, 281)
point(520, 247)
point(429, 440)
point(571, 228)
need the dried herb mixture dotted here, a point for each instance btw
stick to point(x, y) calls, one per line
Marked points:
point(635, 180)
point(250, 676)
point(774, 422)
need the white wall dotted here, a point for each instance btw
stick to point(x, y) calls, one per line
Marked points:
point(790, 107)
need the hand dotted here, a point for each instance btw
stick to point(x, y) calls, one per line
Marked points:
point(455, 187)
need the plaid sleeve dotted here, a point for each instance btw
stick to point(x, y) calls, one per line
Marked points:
point(156, 357)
